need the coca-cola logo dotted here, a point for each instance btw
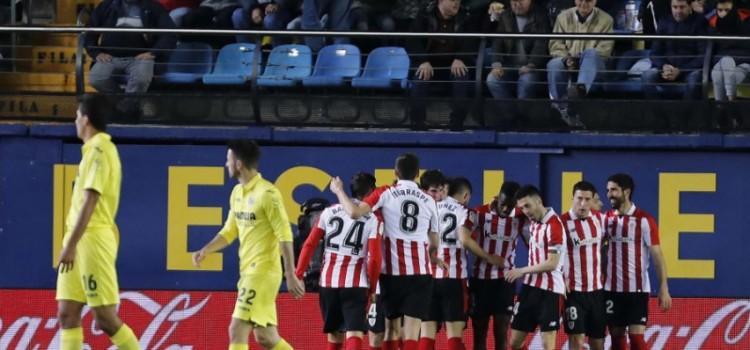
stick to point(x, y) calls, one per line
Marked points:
point(164, 321)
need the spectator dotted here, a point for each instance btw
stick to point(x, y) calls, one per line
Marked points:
point(373, 15)
point(677, 61)
point(213, 14)
point(131, 54)
point(442, 59)
point(406, 12)
point(731, 59)
point(264, 14)
point(178, 9)
point(338, 19)
point(516, 63)
point(587, 57)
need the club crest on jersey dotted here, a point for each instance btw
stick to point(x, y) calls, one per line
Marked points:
point(250, 201)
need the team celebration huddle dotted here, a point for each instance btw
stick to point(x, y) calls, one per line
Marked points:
point(400, 262)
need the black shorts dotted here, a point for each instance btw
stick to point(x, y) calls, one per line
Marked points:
point(406, 295)
point(537, 307)
point(343, 309)
point(449, 300)
point(376, 316)
point(624, 309)
point(584, 314)
point(491, 297)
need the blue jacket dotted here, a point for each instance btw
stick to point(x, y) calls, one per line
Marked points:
point(153, 15)
point(683, 54)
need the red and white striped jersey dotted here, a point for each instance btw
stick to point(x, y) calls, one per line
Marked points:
point(583, 268)
point(409, 214)
point(630, 237)
point(547, 237)
point(498, 235)
point(345, 253)
point(453, 215)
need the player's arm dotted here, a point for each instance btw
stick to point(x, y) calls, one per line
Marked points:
point(464, 236)
point(216, 244)
point(293, 284)
point(90, 199)
point(355, 210)
point(665, 300)
point(308, 249)
point(548, 265)
point(374, 259)
point(279, 221)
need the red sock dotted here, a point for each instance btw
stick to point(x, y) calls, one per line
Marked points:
point(390, 345)
point(619, 343)
point(456, 344)
point(376, 347)
point(637, 342)
point(410, 345)
point(353, 343)
point(426, 344)
point(333, 346)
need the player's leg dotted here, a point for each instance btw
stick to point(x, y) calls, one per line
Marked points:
point(239, 332)
point(119, 333)
point(412, 326)
point(333, 317)
point(434, 315)
point(517, 339)
point(455, 333)
point(354, 312)
point(69, 317)
point(255, 311)
point(548, 340)
point(480, 316)
point(427, 335)
point(500, 325)
point(393, 331)
point(637, 319)
point(548, 304)
point(453, 312)
point(335, 340)
point(502, 310)
point(596, 328)
point(614, 309)
point(415, 307)
point(268, 337)
point(481, 325)
point(526, 317)
point(376, 324)
point(574, 321)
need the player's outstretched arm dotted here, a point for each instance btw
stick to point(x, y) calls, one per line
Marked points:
point(549, 265)
point(308, 250)
point(665, 300)
point(293, 284)
point(464, 235)
point(68, 254)
point(355, 210)
point(216, 244)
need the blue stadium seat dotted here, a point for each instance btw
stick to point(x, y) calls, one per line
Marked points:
point(188, 63)
point(627, 80)
point(287, 66)
point(234, 66)
point(335, 63)
point(386, 67)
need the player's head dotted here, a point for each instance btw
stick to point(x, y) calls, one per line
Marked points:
point(362, 184)
point(407, 166)
point(92, 114)
point(620, 189)
point(242, 155)
point(583, 198)
point(530, 202)
point(506, 199)
point(434, 183)
point(460, 189)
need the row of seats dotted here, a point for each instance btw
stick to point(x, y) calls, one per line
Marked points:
point(288, 66)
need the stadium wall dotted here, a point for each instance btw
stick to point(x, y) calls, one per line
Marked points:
point(175, 192)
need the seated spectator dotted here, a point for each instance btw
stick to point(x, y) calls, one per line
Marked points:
point(373, 15)
point(178, 8)
point(338, 19)
point(516, 64)
point(442, 60)
point(211, 14)
point(406, 12)
point(264, 14)
point(677, 61)
point(587, 57)
point(731, 59)
point(131, 55)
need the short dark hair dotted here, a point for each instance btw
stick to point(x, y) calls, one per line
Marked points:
point(362, 183)
point(509, 189)
point(527, 191)
point(624, 181)
point(245, 150)
point(458, 185)
point(584, 186)
point(407, 166)
point(687, 1)
point(725, 1)
point(97, 108)
point(430, 178)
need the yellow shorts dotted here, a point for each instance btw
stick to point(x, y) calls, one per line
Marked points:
point(93, 279)
point(256, 299)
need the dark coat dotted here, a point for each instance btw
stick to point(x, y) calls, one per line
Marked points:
point(505, 50)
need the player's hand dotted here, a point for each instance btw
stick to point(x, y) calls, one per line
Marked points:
point(458, 68)
point(512, 275)
point(295, 286)
point(67, 256)
point(665, 300)
point(425, 71)
point(198, 257)
point(439, 263)
point(337, 186)
point(496, 260)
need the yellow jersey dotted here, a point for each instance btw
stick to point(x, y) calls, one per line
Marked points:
point(99, 171)
point(258, 218)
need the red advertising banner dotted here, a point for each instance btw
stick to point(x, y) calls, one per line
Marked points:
point(173, 320)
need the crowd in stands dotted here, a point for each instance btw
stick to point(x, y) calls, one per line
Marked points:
point(526, 68)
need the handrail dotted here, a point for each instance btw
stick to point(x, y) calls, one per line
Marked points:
point(559, 36)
